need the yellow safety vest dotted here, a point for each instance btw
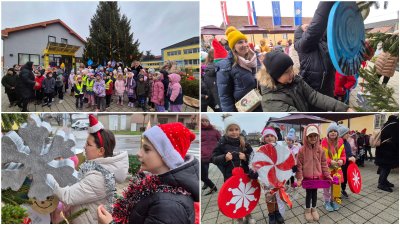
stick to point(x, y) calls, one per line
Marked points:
point(84, 79)
point(108, 84)
point(336, 156)
point(89, 85)
point(79, 87)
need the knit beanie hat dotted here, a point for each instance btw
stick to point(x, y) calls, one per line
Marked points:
point(269, 130)
point(291, 135)
point(228, 121)
point(276, 63)
point(234, 36)
point(342, 130)
point(204, 117)
point(331, 127)
point(219, 51)
point(171, 141)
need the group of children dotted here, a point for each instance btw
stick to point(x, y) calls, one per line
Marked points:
point(316, 160)
point(149, 90)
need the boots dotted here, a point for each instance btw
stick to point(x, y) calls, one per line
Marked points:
point(213, 189)
point(308, 215)
point(271, 218)
point(314, 213)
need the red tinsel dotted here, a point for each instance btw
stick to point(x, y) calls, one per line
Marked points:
point(140, 187)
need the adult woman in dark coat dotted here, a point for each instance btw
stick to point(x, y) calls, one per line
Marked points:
point(25, 85)
point(209, 140)
point(387, 154)
point(9, 81)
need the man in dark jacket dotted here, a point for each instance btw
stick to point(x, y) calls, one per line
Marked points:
point(9, 81)
point(311, 44)
point(387, 154)
point(25, 85)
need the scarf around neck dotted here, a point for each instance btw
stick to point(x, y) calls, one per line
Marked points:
point(249, 63)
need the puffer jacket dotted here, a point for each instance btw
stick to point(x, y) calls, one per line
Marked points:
point(231, 145)
point(120, 87)
point(26, 82)
point(209, 140)
point(297, 96)
point(387, 154)
point(49, 85)
point(168, 207)
point(90, 191)
point(210, 79)
point(233, 83)
point(315, 65)
point(386, 64)
point(175, 89)
point(158, 92)
point(311, 160)
point(99, 88)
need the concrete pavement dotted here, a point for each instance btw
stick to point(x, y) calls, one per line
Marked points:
point(371, 206)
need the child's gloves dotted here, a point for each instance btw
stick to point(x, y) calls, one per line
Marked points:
point(252, 174)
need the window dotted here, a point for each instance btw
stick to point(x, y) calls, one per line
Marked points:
point(190, 51)
point(265, 36)
point(380, 119)
point(52, 39)
point(284, 36)
point(162, 120)
point(24, 58)
point(64, 41)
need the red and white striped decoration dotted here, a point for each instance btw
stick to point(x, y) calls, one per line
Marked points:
point(251, 13)
point(224, 13)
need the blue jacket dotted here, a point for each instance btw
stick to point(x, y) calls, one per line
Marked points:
point(233, 83)
point(347, 148)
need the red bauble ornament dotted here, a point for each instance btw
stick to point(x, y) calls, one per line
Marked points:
point(354, 178)
point(239, 195)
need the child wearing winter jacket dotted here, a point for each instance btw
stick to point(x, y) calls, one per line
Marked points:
point(335, 154)
point(130, 87)
point(282, 91)
point(60, 86)
point(109, 89)
point(49, 85)
point(71, 82)
point(97, 175)
point(141, 91)
point(89, 91)
point(311, 165)
point(232, 151)
point(293, 148)
point(38, 87)
point(99, 89)
point(174, 93)
point(169, 190)
point(79, 92)
point(120, 89)
point(158, 92)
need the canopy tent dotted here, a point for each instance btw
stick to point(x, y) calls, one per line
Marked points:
point(212, 30)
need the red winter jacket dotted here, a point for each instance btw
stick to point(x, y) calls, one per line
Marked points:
point(110, 90)
point(38, 79)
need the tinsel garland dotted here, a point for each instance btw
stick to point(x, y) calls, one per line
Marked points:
point(109, 180)
point(139, 188)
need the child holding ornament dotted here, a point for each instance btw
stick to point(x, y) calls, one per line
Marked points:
point(232, 151)
point(311, 165)
point(97, 176)
point(168, 192)
point(336, 157)
point(293, 148)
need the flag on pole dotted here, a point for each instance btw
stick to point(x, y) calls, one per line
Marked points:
point(276, 12)
point(251, 13)
point(224, 13)
point(298, 13)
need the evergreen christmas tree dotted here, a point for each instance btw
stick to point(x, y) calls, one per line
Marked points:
point(110, 37)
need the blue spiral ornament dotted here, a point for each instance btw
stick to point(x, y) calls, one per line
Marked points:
point(346, 37)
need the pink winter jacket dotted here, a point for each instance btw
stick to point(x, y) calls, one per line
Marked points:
point(174, 85)
point(119, 87)
point(158, 93)
point(311, 161)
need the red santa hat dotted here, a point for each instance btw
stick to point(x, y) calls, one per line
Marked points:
point(94, 127)
point(269, 130)
point(364, 131)
point(172, 141)
point(219, 50)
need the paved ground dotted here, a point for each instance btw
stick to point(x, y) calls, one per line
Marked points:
point(68, 105)
point(371, 206)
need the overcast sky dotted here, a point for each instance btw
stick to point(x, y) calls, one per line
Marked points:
point(211, 10)
point(156, 24)
point(250, 123)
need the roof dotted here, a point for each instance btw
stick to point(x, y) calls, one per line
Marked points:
point(7, 31)
point(381, 30)
point(156, 58)
point(386, 23)
point(190, 41)
point(263, 21)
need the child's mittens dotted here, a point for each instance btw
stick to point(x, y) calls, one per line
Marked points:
point(252, 174)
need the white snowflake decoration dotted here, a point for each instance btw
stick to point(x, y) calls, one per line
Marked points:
point(242, 195)
point(356, 178)
point(32, 153)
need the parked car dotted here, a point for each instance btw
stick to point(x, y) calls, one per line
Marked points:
point(80, 125)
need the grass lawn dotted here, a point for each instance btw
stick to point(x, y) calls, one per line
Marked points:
point(127, 132)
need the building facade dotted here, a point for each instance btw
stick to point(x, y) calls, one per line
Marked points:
point(45, 43)
point(185, 53)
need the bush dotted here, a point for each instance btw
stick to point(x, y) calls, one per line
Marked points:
point(13, 214)
point(190, 87)
point(134, 164)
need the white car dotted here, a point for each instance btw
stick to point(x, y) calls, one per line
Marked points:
point(80, 125)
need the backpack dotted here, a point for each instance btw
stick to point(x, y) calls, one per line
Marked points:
point(375, 139)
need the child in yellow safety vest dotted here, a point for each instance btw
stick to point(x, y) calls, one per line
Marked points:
point(109, 89)
point(78, 89)
point(90, 92)
point(335, 158)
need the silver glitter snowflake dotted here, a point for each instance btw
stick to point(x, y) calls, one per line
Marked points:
point(32, 153)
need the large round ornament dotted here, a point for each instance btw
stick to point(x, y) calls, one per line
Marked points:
point(239, 195)
point(346, 37)
point(354, 178)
